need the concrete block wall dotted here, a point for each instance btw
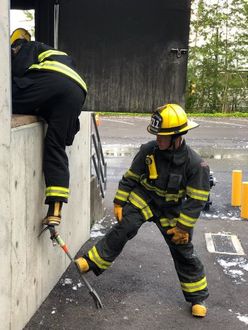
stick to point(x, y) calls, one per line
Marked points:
point(35, 265)
point(31, 266)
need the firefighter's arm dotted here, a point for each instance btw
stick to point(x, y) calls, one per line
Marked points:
point(131, 178)
point(126, 185)
point(197, 191)
point(128, 182)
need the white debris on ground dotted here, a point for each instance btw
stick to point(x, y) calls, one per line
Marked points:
point(99, 230)
point(242, 318)
point(66, 281)
point(69, 281)
point(235, 268)
point(53, 310)
point(96, 230)
point(229, 216)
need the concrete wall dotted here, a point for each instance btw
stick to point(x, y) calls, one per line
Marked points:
point(5, 229)
point(36, 265)
point(31, 266)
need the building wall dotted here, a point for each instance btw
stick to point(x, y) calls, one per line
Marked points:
point(30, 265)
point(5, 227)
point(123, 49)
point(34, 265)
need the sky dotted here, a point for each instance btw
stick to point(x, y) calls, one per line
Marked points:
point(18, 19)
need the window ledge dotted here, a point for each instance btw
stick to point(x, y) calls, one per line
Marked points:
point(22, 120)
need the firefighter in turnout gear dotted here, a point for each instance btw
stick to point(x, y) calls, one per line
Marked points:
point(167, 183)
point(45, 84)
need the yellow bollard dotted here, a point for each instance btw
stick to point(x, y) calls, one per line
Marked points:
point(244, 201)
point(236, 187)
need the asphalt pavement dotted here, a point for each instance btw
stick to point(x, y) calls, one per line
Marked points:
point(141, 289)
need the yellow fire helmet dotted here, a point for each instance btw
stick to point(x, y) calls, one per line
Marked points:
point(170, 119)
point(19, 33)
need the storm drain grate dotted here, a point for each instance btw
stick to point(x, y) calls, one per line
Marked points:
point(224, 244)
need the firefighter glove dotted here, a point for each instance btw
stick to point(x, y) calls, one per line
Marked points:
point(180, 236)
point(118, 212)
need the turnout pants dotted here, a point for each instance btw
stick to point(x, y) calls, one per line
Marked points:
point(189, 268)
point(58, 100)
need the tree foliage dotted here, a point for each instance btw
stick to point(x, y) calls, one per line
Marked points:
point(218, 66)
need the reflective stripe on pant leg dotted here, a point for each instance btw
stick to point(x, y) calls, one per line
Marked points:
point(110, 246)
point(100, 262)
point(189, 268)
point(194, 286)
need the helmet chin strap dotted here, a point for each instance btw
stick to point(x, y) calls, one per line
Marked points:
point(173, 141)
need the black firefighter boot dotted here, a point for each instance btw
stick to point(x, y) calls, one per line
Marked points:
point(53, 217)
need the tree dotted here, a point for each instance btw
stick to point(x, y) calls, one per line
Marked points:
point(218, 56)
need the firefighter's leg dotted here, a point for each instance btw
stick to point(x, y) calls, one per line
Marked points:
point(101, 256)
point(62, 117)
point(59, 101)
point(189, 268)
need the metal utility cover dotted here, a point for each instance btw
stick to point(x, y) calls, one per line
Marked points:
point(223, 244)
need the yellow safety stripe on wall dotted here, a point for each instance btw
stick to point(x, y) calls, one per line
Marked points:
point(57, 191)
point(121, 195)
point(163, 193)
point(62, 68)
point(194, 286)
point(94, 256)
point(201, 195)
point(186, 220)
point(165, 222)
point(48, 53)
point(141, 204)
point(130, 174)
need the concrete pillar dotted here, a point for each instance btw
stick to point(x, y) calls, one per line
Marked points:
point(5, 109)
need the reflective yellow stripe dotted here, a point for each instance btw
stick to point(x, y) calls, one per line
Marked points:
point(201, 195)
point(186, 220)
point(172, 197)
point(130, 174)
point(121, 195)
point(141, 204)
point(147, 213)
point(57, 191)
point(50, 52)
point(158, 191)
point(194, 286)
point(94, 256)
point(62, 68)
point(165, 222)
point(163, 193)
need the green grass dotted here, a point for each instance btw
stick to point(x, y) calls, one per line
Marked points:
point(193, 114)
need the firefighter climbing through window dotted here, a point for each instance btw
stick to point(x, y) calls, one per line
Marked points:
point(168, 184)
point(45, 84)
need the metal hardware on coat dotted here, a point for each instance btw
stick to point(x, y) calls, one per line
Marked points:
point(150, 162)
point(179, 51)
point(174, 183)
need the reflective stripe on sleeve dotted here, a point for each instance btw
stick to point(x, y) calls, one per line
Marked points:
point(201, 195)
point(141, 204)
point(94, 256)
point(130, 174)
point(50, 52)
point(121, 195)
point(186, 220)
point(62, 68)
point(166, 222)
point(194, 286)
